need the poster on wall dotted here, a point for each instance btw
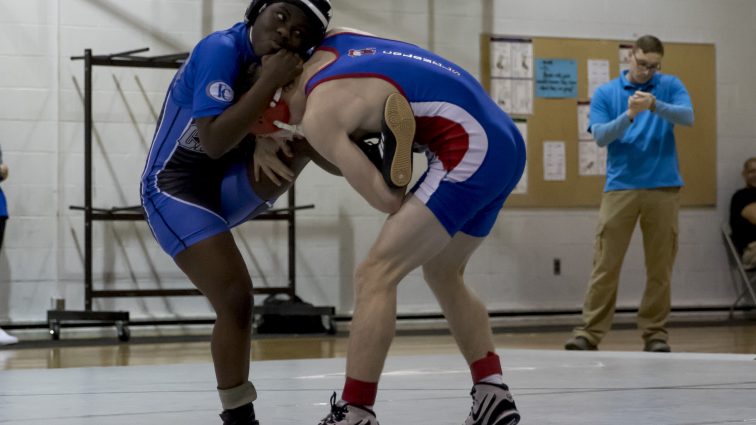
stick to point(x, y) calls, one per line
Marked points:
point(513, 96)
point(625, 53)
point(511, 58)
point(554, 161)
point(591, 157)
point(598, 75)
point(583, 120)
point(556, 78)
point(512, 74)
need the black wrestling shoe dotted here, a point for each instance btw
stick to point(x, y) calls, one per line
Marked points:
point(492, 405)
point(242, 415)
point(397, 134)
point(372, 147)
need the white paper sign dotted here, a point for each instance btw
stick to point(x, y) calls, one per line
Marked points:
point(625, 52)
point(501, 60)
point(602, 154)
point(522, 99)
point(598, 74)
point(592, 159)
point(554, 167)
point(512, 75)
point(513, 96)
point(522, 60)
point(587, 158)
point(583, 119)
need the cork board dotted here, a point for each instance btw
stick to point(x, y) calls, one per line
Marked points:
point(556, 120)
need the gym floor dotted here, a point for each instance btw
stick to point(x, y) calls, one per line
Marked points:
point(709, 379)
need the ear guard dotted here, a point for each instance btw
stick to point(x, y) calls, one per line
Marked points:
point(277, 111)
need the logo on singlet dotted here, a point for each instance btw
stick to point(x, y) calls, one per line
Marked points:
point(220, 91)
point(190, 139)
point(361, 52)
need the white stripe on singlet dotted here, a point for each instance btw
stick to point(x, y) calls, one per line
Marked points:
point(470, 162)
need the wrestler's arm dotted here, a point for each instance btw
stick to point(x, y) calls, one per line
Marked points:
point(329, 118)
point(321, 162)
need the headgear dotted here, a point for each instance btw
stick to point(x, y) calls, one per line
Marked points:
point(318, 11)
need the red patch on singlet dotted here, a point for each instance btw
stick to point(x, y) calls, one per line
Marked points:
point(444, 137)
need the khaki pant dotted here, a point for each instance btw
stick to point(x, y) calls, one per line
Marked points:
point(749, 255)
point(620, 210)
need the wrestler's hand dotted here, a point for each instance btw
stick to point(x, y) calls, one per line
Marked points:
point(266, 159)
point(280, 68)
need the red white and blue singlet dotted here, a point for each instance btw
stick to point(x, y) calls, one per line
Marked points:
point(475, 153)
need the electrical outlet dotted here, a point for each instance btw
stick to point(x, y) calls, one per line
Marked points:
point(557, 267)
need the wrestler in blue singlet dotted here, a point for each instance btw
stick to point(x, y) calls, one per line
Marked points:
point(187, 196)
point(475, 153)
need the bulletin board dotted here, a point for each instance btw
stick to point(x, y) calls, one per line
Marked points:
point(547, 120)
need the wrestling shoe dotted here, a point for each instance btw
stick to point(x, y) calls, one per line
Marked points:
point(371, 146)
point(492, 405)
point(242, 415)
point(397, 134)
point(348, 414)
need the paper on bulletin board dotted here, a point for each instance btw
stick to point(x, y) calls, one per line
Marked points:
point(556, 78)
point(501, 60)
point(602, 155)
point(625, 53)
point(583, 120)
point(511, 59)
point(513, 96)
point(598, 74)
point(522, 185)
point(554, 161)
point(592, 159)
point(522, 56)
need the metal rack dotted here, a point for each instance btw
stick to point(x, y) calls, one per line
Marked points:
point(134, 213)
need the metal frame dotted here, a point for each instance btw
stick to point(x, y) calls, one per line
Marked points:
point(746, 275)
point(135, 213)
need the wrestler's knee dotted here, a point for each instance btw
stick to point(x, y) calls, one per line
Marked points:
point(376, 275)
point(236, 304)
point(435, 274)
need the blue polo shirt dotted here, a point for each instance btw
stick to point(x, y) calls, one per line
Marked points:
point(643, 156)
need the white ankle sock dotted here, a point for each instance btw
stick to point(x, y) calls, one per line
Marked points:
point(232, 398)
point(497, 379)
point(343, 402)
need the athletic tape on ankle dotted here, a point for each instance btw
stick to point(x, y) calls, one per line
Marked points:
point(237, 396)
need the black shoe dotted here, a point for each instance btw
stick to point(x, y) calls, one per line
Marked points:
point(579, 343)
point(492, 405)
point(397, 135)
point(657, 346)
point(242, 415)
point(370, 145)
